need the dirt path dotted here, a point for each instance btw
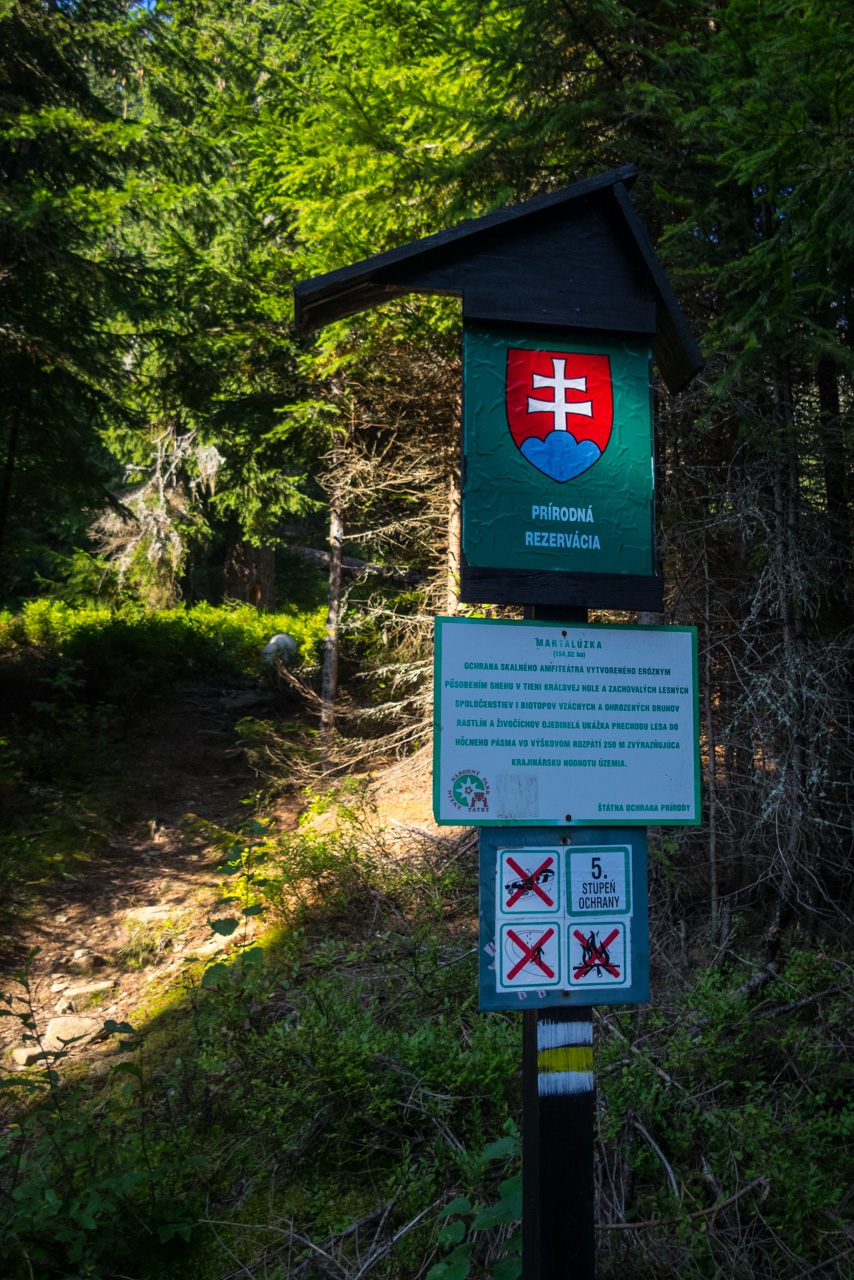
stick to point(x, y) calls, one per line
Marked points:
point(147, 896)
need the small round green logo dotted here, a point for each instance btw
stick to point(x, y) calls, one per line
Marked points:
point(469, 790)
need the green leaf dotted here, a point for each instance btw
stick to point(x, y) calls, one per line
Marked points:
point(253, 911)
point(225, 928)
point(213, 976)
point(457, 1263)
point(255, 955)
point(167, 1230)
point(452, 1233)
point(127, 1068)
point(507, 1209)
point(460, 1205)
point(511, 1187)
point(507, 1269)
point(503, 1147)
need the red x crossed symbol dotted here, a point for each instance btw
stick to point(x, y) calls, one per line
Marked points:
point(598, 955)
point(530, 953)
point(529, 882)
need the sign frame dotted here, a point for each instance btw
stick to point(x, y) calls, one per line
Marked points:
point(570, 839)
point(479, 819)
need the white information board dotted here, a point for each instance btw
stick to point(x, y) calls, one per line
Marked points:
point(541, 723)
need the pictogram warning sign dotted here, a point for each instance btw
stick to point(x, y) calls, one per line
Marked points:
point(530, 882)
point(529, 957)
point(598, 955)
point(563, 921)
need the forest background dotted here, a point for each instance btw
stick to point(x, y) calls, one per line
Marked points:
point(171, 447)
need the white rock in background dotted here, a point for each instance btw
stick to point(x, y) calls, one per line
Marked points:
point(282, 648)
point(80, 995)
point(80, 1030)
point(83, 960)
point(25, 1056)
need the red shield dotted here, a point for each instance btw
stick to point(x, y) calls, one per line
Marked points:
point(560, 408)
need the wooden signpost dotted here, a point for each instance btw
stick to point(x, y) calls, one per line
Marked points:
point(562, 741)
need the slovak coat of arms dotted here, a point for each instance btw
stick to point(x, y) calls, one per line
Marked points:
point(560, 409)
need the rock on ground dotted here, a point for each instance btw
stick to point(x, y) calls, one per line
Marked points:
point(80, 1030)
point(67, 1000)
point(282, 648)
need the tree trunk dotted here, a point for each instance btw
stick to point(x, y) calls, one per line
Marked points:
point(454, 536)
point(833, 460)
point(329, 683)
point(9, 471)
point(248, 571)
point(711, 745)
point(786, 502)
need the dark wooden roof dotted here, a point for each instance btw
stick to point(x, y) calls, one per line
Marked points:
point(577, 258)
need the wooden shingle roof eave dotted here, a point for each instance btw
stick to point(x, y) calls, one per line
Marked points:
point(491, 262)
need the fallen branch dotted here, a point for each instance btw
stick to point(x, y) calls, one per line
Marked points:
point(819, 1266)
point(386, 1248)
point(350, 564)
point(421, 831)
point(662, 1157)
point(798, 1004)
point(700, 1213)
point(757, 982)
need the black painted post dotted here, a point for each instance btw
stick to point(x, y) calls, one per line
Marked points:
point(558, 1114)
point(558, 1240)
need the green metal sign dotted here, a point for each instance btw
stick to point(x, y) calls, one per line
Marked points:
point(557, 452)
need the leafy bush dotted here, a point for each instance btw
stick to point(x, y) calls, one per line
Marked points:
point(132, 647)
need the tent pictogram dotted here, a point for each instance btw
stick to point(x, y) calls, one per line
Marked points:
point(594, 955)
point(530, 954)
point(529, 882)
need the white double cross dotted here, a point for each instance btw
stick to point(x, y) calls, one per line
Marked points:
point(559, 407)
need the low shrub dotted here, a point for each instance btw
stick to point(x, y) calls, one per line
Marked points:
point(130, 651)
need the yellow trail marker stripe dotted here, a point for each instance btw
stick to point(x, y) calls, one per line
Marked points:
point(568, 1057)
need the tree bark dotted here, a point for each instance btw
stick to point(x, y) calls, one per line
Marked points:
point(329, 680)
point(248, 571)
point(454, 536)
point(9, 471)
point(833, 459)
point(786, 502)
point(711, 745)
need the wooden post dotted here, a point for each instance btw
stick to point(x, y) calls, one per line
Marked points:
point(558, 1121)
